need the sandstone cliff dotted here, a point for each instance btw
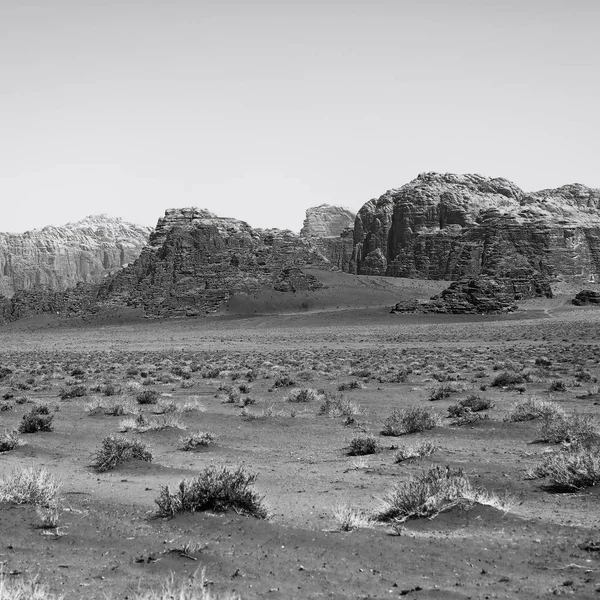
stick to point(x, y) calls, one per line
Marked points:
point(330, 229)
point(60, 257)
point(452, 226)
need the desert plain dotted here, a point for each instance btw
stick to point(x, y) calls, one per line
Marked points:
point(298, 392)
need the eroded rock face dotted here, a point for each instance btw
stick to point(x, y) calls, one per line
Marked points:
point(331, 229)
point(60, 257)
point(452, 226)
point(482, 295)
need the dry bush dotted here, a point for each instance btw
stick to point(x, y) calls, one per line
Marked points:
point(576, 428)
point(570, 470)
point(410, 420)
point(30, 485)
point(417, 451)
point(18, 589)
point(37, 419)
point(339, 406)
point(216, 489)
point(76, 391)
point(303, 395)
point(472, 403)
point(533, 408)
point(349, 385)
point(142, 424)
point(364, 444)
point(9, 440)
point(197, 439)
point(507, 379)
point(147, 397)
point(434, 491)
point(116, 450)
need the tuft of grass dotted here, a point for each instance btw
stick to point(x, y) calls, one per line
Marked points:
point(217, 489)
point(534, 408)
point(30, 485)
point(364, 444)
point(18, 589)
point(570, 470)
point(142, 424)
point(410, 420)
point(433, 491)
point(349, 518)
point(9, 440)
point(116, 450)
point(417, 451)
point(195, 588)
point(37, 419)
point(338, 406)
point(197, 439)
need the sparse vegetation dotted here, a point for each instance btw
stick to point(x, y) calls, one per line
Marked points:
point(197, 439)
point(349, 518)
point(410, 420)
point(30, 485)
point(417, 451)
point(116, 450)
point(364, 444)
point(534, 408)
point(37, 419)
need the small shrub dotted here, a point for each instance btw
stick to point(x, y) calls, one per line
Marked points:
point(410, 420)
point(431, 492)
point(216, 489)
point(244, 388)
point(197, 439)
point(110, 389)
point(37, 419)
point(417, 451)
point(76, 391)
point(30, 485)
point(543, 361)
point(284, 381)
point(468, 418)
point(533, 408)
point(557, 385)
point(116, 450)
point(443, 390)
point(507, 379)
point(364, 444)
point(9, 440)
point(338, 406)
point(570, 470)
point(303, 395)
point(147, 397)
point(577, 429)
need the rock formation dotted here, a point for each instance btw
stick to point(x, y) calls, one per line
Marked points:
point(60, 257)
point(330, 229)
point(483, 294)
point(453, 226)
point(586, 297)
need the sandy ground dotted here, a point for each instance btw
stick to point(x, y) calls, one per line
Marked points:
point(110, 542)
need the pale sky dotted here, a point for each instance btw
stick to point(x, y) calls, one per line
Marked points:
point(260, 109)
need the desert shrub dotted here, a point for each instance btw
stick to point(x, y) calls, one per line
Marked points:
point(5, 372)
point(578, 429)
point(364, 444)
point(472, 403)
point(468, 418)
point(142, 424)
point(533, 408)
point(444, 376)
point(349, 385)
point(284, 380)
point(557, 385)
point(76, 391)
point(78, 372)
point(37, 419)
point(30, 485)
point(443, 390)
point(197, 439)
point(211, 373)
point(583, 375)
point(432, 492)
point(116, 450)
point(110, 389)
point(147, 397)
point(5, 406)
point(349, 518)
point(543, 361)
point(303, 395)
point(338, 406)
point(17, 588)
point(244, 388)
point(9, 440)
point(216, 489)
point(410, 420)
point(570, 470)
point(23, 400)
point(417, 451)
point(507, 379)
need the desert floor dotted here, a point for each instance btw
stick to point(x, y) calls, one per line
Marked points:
point(109, 542)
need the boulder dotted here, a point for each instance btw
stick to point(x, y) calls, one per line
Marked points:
point(586, 297)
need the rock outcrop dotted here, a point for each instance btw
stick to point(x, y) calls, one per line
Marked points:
point(454, 226)
point(331, 230)
point(586, 297)
point(60, 257)
point(482, 295)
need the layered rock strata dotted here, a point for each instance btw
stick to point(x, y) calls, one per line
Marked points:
point(60, 257)
point(586, 297)
point(453, 226)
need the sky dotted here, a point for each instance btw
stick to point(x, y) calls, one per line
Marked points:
point(260, 109)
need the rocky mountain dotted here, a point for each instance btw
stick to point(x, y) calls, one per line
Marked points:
point(330, 229)
point(60, 257)
point(453, 226)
